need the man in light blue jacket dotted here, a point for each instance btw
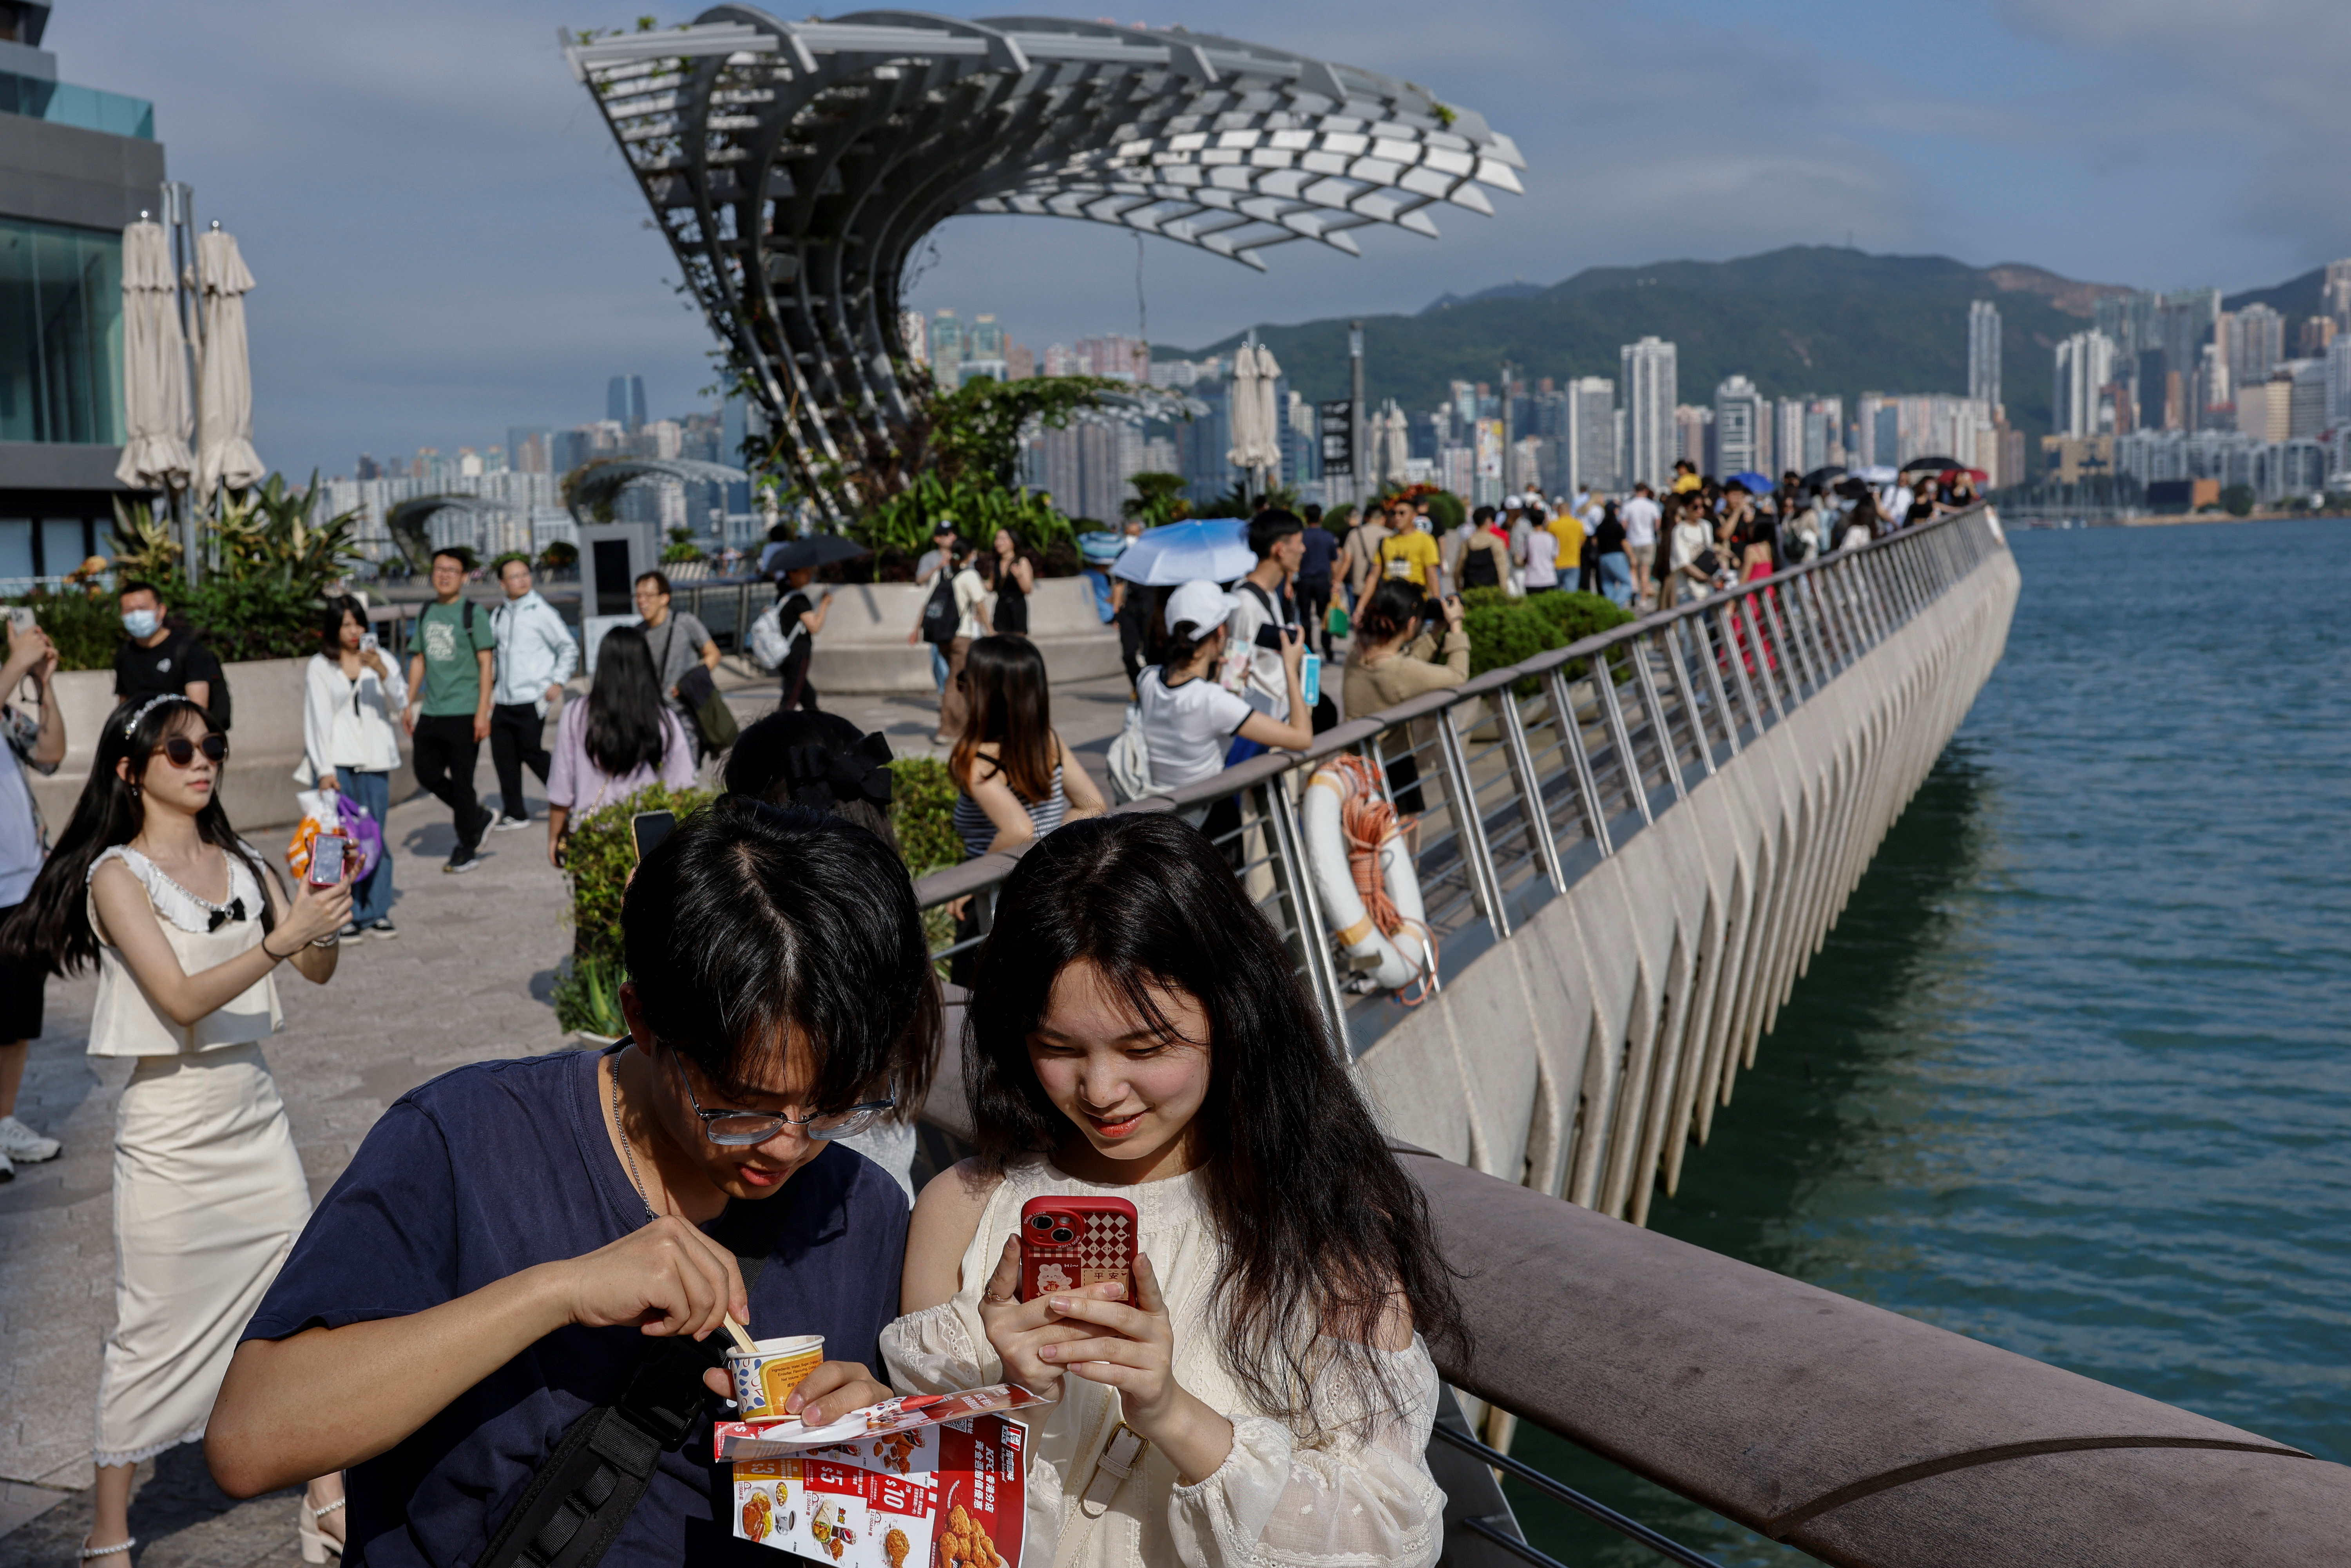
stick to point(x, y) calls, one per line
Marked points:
point(537, 653)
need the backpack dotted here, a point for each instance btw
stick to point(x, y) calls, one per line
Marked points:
point(939, 617)
point(1130, 758)
point(770, 644)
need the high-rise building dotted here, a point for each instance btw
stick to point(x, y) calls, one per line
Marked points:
point(2338, 381)
point(527, 450)
point(2317, 334)
point(2306, 396)
point(2334, 294)
point(625, 401)
point(1590, 434)
point(2256, 342)
point(2130, 322)
point(1693, 438)
point(1647, 375)
point(2085, 365)
point(946, 349)
point(1984, 351)
point(1788, 436)
point(1742, 428)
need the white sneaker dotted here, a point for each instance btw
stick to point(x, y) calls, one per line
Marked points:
point(7, 1171)
point(23, 1146)
point(509, 824)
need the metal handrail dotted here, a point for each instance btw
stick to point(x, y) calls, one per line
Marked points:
point(1663, 1545)
point(1729, 667)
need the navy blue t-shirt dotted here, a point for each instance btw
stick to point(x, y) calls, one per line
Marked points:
point(1322, 548)
point(493, 1169)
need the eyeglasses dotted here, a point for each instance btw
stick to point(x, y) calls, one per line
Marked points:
point(740, 1129)
point(182, 751)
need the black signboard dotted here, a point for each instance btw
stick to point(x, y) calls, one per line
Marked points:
point(1338, 420)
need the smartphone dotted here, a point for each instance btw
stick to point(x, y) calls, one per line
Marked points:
point(327, 853)
point(21, 620)
point(1309, 678)
point(367, 643)
point(649, 828)
point(1069, 1242)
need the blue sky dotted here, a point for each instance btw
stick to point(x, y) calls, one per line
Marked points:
point(448, 244)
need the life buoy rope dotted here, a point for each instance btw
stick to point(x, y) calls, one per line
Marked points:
point(1367, 820)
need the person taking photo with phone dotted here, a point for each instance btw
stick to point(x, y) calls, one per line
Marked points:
point(1264, 1394)
point(518, 1246)
point(187, 925)
point(350, 692)
point(37, 743)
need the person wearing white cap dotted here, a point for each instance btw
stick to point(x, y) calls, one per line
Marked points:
point(1188, 720)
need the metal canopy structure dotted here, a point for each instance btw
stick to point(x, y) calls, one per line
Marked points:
point(796, 166)
point(590, 489)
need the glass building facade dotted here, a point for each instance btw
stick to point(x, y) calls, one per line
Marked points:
point(61, 334)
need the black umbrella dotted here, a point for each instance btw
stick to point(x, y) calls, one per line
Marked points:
point(1854, 490)
point(1820, 476)
point(816, 550)
point(1929, 464)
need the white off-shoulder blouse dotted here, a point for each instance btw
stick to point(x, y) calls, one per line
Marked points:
point(1358, 1496)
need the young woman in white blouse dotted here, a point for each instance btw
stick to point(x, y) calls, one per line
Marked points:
point(187, 927)
point(351, 737)
point(1135, 1030)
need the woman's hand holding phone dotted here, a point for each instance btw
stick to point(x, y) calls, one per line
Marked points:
point(1020, 1330)
point(318, 912)
point(1136, 1355)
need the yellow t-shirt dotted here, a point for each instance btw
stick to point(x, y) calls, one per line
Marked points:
point(1568, 529)
point(1408, 555)
point(1687, 483)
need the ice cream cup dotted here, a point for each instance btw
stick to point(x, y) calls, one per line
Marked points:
point(766, 1376)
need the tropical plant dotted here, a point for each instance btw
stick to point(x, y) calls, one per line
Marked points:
point(681, 548)
point(2237, 500)
point(979, 507)
point(1236, 502)
point(559, 554)
point(144, 548)
point(1158, 498)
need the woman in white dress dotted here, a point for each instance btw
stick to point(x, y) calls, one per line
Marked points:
point(186, 927)
point(1135, 1031)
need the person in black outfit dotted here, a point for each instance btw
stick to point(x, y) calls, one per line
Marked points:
point(1311, 587)
point(1016, 575)
point(797, 611)
point(161, 660)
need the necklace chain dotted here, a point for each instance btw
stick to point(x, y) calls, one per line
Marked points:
point(627, 1153)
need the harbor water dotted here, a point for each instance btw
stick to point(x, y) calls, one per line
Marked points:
point(2071, 1075)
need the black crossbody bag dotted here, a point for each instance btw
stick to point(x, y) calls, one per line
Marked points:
point(580, 1496)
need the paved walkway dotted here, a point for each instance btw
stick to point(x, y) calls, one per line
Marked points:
point(467, 979)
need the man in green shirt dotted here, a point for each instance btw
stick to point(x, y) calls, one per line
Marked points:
point(449, 692)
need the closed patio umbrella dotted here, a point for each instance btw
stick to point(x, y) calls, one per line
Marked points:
point(224, 452)
point(1396, 450)
point(1269, 418)
point(154, 366)
point(1243, 453)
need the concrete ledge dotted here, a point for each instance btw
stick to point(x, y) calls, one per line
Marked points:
point(864, 647)
point(264, 745)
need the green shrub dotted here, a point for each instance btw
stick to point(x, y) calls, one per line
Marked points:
point(1504, 631)
point(922, 807)
point(600, 852)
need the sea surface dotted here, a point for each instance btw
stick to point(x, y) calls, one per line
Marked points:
point(2072, 1074)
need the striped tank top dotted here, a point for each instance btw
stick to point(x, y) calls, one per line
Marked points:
point(971, 823)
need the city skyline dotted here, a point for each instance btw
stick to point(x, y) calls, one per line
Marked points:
point(483, 289)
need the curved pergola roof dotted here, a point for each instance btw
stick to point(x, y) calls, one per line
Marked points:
point(795, 167)
point(590, 490)
point(406, 520)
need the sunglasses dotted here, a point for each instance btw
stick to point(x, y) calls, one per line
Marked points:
point(182, 751)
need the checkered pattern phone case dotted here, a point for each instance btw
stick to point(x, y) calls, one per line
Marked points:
point(1100, 1244)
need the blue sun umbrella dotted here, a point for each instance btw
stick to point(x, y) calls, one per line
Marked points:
point(1758, 484)
point(1214, 549)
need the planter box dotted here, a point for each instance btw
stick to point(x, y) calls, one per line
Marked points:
point(264, 746)
point(863, 645)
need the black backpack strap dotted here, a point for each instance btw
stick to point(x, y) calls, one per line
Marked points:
point(583, 1491)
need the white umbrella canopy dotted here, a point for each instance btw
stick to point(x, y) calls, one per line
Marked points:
point(225, 453)
point(154, 366)
point(1268, 417)
point(1242, 410)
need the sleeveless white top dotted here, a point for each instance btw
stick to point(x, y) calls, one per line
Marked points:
point(127, 1022)
point(1359, 1496)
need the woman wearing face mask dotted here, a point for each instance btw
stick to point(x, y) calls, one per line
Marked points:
point(187, 927)
point(1136, 1030)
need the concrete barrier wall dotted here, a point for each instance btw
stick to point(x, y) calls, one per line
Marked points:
point(1582, 1056)
point(264, 744)
point(863, 647)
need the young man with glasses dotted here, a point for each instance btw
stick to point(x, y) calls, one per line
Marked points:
point(518, 1245)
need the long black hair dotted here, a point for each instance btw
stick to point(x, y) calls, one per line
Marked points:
point(752, 924)
point(51, 931)
point(819, 761)
point(625, 706)
point(1321, 1230)
point(1007, 701)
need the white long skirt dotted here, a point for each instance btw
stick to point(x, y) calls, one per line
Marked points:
point(208, 1197)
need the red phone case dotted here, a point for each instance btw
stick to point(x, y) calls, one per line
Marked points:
point(1100, 1244)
